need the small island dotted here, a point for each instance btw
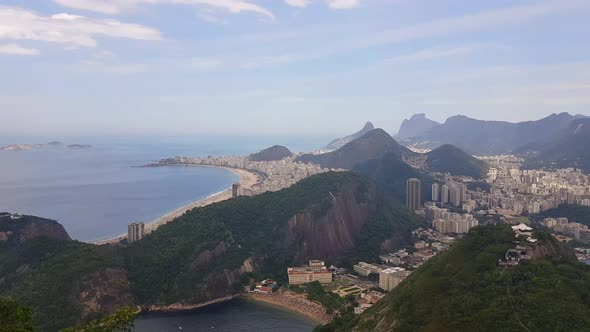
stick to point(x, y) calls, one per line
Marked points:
point(53, 145)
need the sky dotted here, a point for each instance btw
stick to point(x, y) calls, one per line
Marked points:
point(285, 67)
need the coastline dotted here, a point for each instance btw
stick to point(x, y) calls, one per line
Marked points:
point(247, 180)
point(285, 301)
point(177, 307)
point(295, 303)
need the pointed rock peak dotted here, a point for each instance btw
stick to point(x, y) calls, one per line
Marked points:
point(368, 126)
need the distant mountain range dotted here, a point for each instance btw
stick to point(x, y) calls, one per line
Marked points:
point(570, 148)
point(486, 137)
point(276, 152)
point(340, 142)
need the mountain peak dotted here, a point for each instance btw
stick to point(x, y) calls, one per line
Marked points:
point(340, 142)
point(371, 145)
point(417, 125)
point(368, 126)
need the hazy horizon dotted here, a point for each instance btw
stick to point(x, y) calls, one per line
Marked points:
point(284, 68)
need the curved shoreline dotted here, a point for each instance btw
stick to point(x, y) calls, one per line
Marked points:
point(294, 304)
point(247, 179)
point(271, 300)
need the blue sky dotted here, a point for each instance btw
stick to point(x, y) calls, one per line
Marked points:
point(285, 66)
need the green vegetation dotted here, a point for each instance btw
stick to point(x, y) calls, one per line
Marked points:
point(574, 212)
point(121, 321)
point(198, 257)
point(52, 277)
point(450, 159)
point(14, 317)
point(464, 290)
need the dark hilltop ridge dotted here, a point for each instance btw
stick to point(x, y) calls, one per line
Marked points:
point(373, 144)
point(340, 142)
point(450, 159)
point(17, 229)
point(276, 152)
point(204, 254)
point(482, 137)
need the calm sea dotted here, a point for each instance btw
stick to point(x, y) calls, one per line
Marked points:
point(231, 316)
point(96, 192)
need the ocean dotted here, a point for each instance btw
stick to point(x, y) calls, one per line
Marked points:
point(232, 316)
point(96, 192)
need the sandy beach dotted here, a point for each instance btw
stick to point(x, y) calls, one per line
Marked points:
point(247, 180)
point(291, 301)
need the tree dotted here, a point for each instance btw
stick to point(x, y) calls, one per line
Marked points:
point(121, 321)
point(14, 317)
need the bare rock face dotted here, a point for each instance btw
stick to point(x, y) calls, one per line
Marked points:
point(104, 292)
point(327, 236)
point(17, 229)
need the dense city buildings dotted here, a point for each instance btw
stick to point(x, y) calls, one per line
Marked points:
point(275, 175)
point(135, 231)
point(365, 269)
point(315, 271)
point(413, 194)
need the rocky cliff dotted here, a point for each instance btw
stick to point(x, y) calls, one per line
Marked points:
point(416, 126)
point(17, 229)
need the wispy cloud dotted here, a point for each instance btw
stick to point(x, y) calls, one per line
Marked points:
point(473, 22)
point(101, 65)
point(298, 3)
point(14, 49)
point(334, 4)
point(210, 16)
point(121, 6)
point(434, 53)
point(21, 24)
point(343, 4)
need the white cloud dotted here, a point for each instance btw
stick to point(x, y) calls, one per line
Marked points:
point(14, 49)
point(343, 4)
point(120, 6)
point(21, 24)
point(298, 3)
point(433, 53)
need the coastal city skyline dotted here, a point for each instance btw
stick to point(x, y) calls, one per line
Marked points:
point(285, 67)
point(294, 165)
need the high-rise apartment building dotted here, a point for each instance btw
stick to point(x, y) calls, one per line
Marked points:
point(135, 231)
point(444, 194)
point(413, 194)
point(435, 192)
